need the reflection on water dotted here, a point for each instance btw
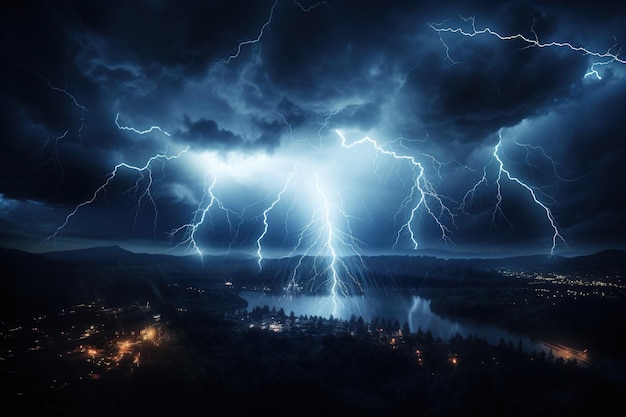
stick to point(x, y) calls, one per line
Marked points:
point(411, 309)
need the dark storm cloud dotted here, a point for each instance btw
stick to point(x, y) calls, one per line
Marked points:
point(471, 87)
point(205, 134)
point(588, 136)
point(468, 101)
point(358, 53)
point(195, 69)
point(183, 36)
point(208, 135)
point(365, 116)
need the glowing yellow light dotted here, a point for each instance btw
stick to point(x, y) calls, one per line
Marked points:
point(149, 333)
point(123, 347)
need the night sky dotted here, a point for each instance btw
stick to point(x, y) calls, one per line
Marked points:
point(283, 127)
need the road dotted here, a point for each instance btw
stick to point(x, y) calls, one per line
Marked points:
point(568, 353)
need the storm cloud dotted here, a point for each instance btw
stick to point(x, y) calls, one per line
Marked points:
point(245, 94)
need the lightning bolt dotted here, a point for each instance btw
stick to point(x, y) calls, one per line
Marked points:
point(141, 170)
point(288, 125)
point(325, 124)
point(144, 172)
point(328, 229)
point(55, 159)
point(268, 22)
point(67, 93)
point(555, 165)
point(448, 58)
point(611, 55)
point(531, 190)
point(422, 194)
point(60, 90)
point(323, 241)
point(241, 44)
point(266, 214)
point(313, 6)
point(140, 132)
point(200, 215)
point(504, 173)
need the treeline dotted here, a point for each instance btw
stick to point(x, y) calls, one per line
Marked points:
point(582, 321)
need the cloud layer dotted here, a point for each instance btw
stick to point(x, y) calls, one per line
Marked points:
point(255, 91)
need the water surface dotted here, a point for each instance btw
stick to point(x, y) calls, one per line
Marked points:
point(410, 309)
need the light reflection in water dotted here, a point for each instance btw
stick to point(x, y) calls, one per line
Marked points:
point(411, 309)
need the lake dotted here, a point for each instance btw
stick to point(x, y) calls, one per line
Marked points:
point(411, 309)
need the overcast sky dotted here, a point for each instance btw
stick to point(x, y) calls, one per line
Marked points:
point(279, 127)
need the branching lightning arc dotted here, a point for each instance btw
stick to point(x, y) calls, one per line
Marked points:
point(608, 57)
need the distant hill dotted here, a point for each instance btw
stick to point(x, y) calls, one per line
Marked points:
point(101, 254)
point(12, 258)
point(60, 278)
point(611, 257)
point(116, 254)
point(607, 261)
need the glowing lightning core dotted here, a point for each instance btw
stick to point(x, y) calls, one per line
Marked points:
point(329, 230)
point(325, 243)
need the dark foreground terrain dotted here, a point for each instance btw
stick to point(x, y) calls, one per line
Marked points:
point(103, 338)
point(199, 363)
